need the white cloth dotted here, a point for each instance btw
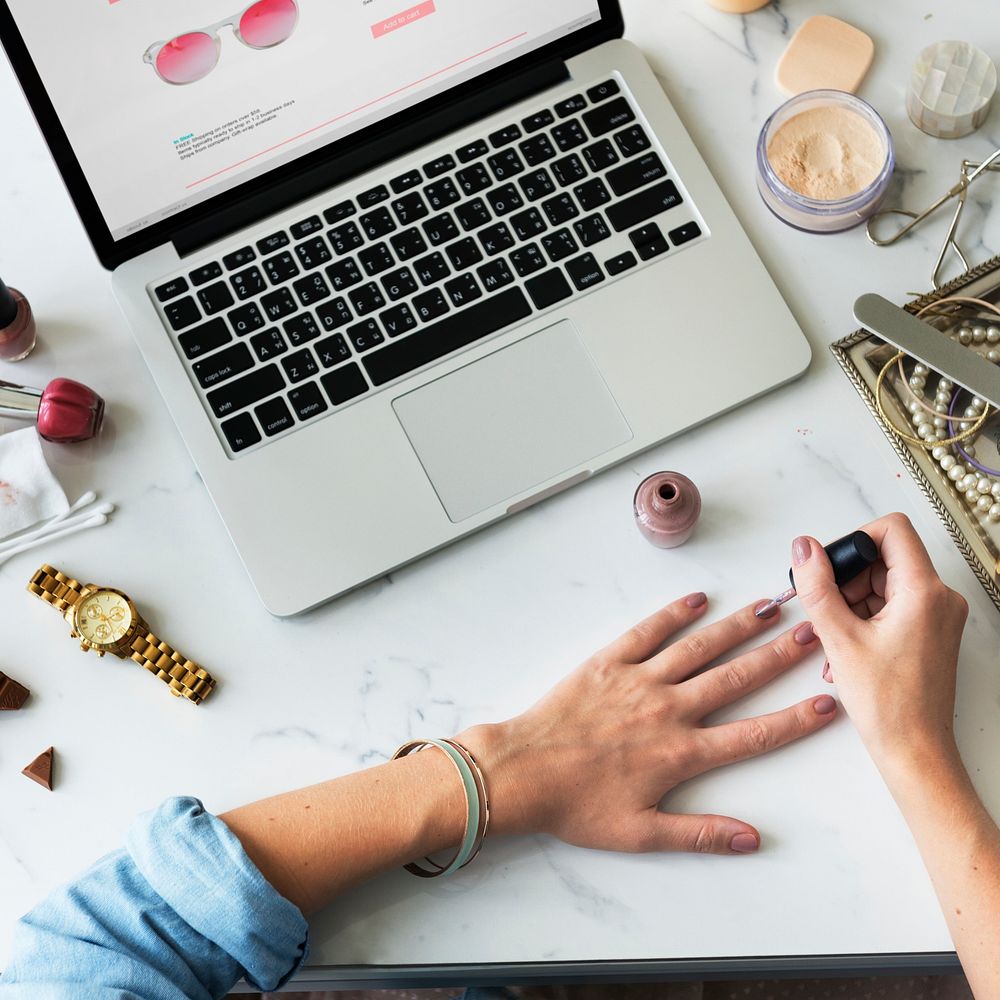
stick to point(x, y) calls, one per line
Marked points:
point(29, 492)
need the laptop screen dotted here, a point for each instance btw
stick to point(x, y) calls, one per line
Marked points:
point(168, 104)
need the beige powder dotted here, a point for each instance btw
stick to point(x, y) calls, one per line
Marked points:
point(826, 153)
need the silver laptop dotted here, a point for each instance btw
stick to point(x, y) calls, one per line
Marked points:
point(398, 271)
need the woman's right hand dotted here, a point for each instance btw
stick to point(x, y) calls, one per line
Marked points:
point(891, 639)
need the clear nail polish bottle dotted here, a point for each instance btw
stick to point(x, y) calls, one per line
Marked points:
point(17, 325)
point(667, 506)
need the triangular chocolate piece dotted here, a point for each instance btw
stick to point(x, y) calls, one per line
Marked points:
point(40, 769)
point(12, 694)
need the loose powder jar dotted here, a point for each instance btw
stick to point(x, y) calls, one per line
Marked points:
point(824, 161)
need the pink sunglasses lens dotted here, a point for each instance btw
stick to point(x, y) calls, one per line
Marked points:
point(268, 22)
point(187, 58)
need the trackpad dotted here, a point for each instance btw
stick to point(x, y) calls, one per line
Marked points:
point(514, 420)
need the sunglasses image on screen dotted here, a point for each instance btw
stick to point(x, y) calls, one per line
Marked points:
point(192, 56)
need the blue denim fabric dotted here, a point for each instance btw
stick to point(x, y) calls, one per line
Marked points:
point(182, 912)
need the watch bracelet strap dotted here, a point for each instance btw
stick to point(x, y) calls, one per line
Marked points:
point(185, 678)
point(55, 588)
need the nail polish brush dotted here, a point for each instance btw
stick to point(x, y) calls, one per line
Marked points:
point(64, 411)
point(850, 556)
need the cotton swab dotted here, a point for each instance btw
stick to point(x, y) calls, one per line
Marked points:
point(70, 528)
point(40, 532)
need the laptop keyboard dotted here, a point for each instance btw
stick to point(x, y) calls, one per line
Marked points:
point(305, 320)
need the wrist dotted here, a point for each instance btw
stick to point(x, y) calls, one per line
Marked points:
point(920, 769)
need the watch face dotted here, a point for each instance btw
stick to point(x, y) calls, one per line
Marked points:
point(103, 618)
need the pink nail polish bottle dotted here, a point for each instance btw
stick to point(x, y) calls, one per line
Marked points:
point(667, 506)
point(17, 325)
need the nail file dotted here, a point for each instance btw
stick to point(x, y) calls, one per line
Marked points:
point(936, 350)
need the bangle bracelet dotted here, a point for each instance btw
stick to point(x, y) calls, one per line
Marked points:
point(484, 799)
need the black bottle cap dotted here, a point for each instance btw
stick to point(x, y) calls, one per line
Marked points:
point(850, 556)
point(8, 306)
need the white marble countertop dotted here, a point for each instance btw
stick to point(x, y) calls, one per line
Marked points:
point(479, 630)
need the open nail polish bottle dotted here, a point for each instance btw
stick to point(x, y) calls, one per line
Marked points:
point(667, 506)
point(17, 325)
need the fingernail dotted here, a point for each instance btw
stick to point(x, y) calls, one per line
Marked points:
point(824, 705)
point(804, 634)
point(769, 613)
point(826, 670)
point(801, 550)
point(696, 600)
point(744, 843)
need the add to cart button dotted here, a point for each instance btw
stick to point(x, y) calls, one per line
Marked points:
point(403, 18)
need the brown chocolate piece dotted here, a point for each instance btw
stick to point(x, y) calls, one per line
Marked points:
point(12, 694)
point(40, 769)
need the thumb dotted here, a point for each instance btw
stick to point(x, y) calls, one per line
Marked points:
point(657, 831)
point(817, 590)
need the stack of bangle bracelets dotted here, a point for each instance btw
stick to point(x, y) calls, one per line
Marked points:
point(477, 817)
point(948, 436)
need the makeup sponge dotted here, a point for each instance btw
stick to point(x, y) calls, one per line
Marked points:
point(824, 54)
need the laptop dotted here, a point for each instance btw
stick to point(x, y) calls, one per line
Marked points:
point(398, 271)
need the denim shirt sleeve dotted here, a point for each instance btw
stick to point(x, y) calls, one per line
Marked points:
point(181, 914)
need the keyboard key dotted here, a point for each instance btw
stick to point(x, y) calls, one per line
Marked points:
point(440, 229)
point(408, 243)
point(559, 244)
point(471, 151)
point(181, 313)
point(281, 267)
point(301, 329)
point(644, 205)
point(528, 224)
point(278, 304)
point(273, 242)
point(504, 136)
point(632, 140)
point(548, 288)
point(171, 289)
point(268, 344)
point(527, 259)
point(307, 401)
point(410, 208)
point(636, 174)
point(560, 209)
point(274, 416)
point(366, 299)
point(463, 289)
point(345, 238)
point(399, 283)
point(364, 336)
point(377, 224)
point(432, 268)
point(534, 122)
point(569, 170)
point(607, 117)
point(592, 194)
point(603, 91)
point(300, 365)
point(584, 271)
point(373, 196)
point(536, 185)
point(506, 164)
point(215, 298)
point(621, 263)
point(207, 337)
point(338, 212)
point(248, 283)
point(246, 319)
point(306, 227)
point(430, 305)
point(241, 392)
point(223, 365)
point(601, 155)
point(464, 253)
point(682, 234)
point(591, 230)
point(504, 199)
point(537, 150)
point(495, 274)
point(398, 320)
point(451, 333)
point(496, 238)
point(473, 179)
point(570, 106)
point(648, 241)
point(344, 383)
point(442, 194)
point(473, 214)
point(241, 432)
point(405, 181)
point(344, 273)
point(311, 289)
point(313, 252)
point(205, 273)
point(332, 350)
point(376, 259)
point(439, 166)
point(334, 314)
point(569, 135)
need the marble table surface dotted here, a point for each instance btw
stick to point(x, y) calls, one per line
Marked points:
point(479, 630)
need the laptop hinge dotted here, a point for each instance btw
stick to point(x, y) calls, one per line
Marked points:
point(367, 154)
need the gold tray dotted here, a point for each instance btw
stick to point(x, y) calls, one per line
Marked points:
point(862, 355)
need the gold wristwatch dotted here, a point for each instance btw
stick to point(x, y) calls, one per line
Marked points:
point(106, 620)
